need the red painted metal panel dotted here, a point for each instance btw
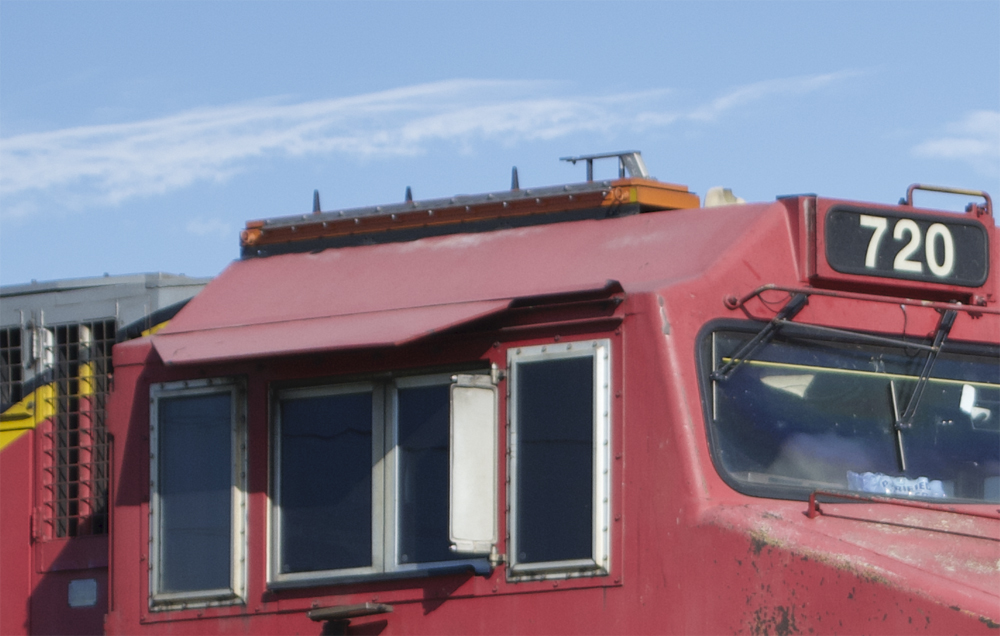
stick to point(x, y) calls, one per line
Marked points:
point(318, 334)
point(15, 534)
point(465, 268)
point(297, 303)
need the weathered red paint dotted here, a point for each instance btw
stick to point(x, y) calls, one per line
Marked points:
point(15, 534)
point(688, 554)
point(36, 570)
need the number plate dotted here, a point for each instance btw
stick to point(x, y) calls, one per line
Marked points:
point(932, 249)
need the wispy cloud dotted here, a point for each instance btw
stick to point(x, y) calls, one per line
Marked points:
point(757, 91)
point(112, 163)
point(974, 140)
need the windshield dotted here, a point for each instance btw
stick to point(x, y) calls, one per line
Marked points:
point(806, 414)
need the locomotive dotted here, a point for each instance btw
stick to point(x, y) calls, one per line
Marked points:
point(55, 373)
point(600, 407)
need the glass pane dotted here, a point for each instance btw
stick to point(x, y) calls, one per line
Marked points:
point(326, 482)
point(810, 414)
point(423, 429)
point(195, 493)
point(555, 432)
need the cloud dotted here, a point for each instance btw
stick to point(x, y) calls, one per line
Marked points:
point(760, 90)
point(974, 140)
point(109, 164)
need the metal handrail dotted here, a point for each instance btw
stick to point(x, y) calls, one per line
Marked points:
point(732, 302)
point(947, 190)
point(814, 509)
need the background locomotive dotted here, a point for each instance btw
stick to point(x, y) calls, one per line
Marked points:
point(55, 374)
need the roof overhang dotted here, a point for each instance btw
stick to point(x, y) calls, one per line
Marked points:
point(310, 335)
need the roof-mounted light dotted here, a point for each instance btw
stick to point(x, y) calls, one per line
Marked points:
point(516, 207)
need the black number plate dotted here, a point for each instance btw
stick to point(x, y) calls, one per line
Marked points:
point(908, 246)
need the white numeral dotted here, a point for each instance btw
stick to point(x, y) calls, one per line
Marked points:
point(903, 262)
point(944, 267)
point(878, 223)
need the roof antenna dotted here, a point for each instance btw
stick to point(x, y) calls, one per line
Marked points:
point(513, 179)
point(629, 161)
point(316, 208)
point(409, 194)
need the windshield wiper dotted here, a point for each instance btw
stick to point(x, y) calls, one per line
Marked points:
point(789, 311)
point(897, 431)
point(905, 421)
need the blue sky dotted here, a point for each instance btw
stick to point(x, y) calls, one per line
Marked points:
point(139, 137)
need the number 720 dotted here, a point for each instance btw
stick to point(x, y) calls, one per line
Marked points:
point(940, 265)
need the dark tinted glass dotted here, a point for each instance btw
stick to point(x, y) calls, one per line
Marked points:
point(808, 414)
point(555, 432)
point(326, 482)
point(423, 422)
point(195, 492)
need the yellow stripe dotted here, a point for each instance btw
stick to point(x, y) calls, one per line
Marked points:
point(34, 409)
point(152, 330)
point(873, 374)
point(86, 379)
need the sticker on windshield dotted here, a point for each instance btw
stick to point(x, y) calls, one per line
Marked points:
point(882, 484)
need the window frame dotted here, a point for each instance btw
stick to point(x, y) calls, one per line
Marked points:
point(236, 592)
point(599, 563)
point(385, 487)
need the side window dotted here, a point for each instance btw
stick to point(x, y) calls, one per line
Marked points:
point(559, 459)
point(361, 480)
point(197, 501)
point(323, 489)
point(421, 413)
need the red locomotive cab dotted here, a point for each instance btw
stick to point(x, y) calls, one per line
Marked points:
point(591, 408)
